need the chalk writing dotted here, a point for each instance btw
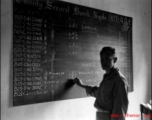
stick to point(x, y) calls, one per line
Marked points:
point(118, 19)
point(99, 17)
point(50, 6)
point(25, 93)
point(73, 25)
point(88, 29)
point(81, 13)
point(88, 65)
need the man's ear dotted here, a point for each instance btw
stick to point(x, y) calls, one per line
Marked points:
point(115, 59)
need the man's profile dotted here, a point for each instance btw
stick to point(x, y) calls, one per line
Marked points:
point(112, 94)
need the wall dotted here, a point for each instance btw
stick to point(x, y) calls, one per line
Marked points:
point(81, 109)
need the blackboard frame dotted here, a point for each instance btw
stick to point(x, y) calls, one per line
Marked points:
point(82, 26)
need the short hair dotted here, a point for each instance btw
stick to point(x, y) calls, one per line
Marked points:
point(108, 50)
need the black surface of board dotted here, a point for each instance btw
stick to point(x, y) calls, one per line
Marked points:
point(56, 41)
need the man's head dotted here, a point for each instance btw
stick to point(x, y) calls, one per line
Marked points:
point(108, 58)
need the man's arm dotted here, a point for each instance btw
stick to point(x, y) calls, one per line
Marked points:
point(120, 101)
point(89, 89)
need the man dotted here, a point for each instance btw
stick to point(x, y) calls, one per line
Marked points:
point(112, 94)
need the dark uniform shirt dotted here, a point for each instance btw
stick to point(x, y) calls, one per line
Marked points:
point(112, 94)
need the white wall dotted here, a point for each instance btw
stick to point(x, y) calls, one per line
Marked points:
point(81, 109)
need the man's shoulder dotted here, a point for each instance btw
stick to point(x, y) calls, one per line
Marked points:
point(120, 78)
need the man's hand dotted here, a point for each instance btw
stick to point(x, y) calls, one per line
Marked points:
point(78, 82)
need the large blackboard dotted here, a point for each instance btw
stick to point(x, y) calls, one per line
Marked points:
point(55, 41)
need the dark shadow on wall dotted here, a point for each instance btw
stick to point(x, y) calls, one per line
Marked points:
point(148, 86)
point(10, 104)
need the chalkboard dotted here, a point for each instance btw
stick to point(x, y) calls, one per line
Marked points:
point(55, 41)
